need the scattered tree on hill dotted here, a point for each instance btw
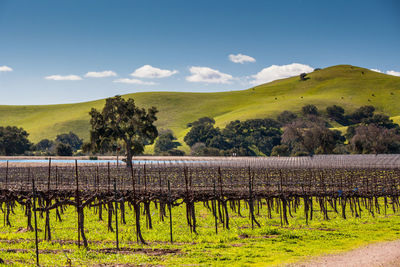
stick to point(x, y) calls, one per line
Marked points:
point(303, 76)
point(121, 120)
point(13, 141)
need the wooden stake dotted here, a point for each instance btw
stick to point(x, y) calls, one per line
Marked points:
point(34, 212)
point(116, 212)
point(170, 212)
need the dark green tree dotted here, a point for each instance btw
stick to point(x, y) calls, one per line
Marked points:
point(286, 117)
point(336, 113)
point(303, 77)
point(70, 139)
point(44, 145)
point(166, 142)
point(360, 114)
point(203, 120)
point(63, 149)
point(309, 110)
point(262, 134)
point(202, 131)
point(122, 121)
point(280, 150)
point(13, 141)
point(381, 120)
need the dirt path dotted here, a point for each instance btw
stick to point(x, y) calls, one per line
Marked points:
point(385, 254)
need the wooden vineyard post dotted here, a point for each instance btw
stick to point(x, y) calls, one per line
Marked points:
point(116, 212)
point(77, 202)
point(136, 208)
point(35, 218)
point(251, 202)
point(6, 184)
point(6, 188)
point(170, 211)
point(215, 209)
point(47, 231)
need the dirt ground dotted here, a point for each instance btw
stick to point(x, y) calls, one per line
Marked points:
point(385, 254)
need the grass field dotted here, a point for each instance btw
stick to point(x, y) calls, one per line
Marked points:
point(268, 245)
point(344, 85)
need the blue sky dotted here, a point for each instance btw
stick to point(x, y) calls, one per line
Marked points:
point(55, 51)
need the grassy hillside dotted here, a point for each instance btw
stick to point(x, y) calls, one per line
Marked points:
point(344, 85)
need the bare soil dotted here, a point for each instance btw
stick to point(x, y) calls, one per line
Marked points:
point(385, 254)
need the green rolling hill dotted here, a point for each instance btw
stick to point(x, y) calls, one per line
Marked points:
point(344, 85)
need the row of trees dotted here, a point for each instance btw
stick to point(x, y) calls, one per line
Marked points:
point(65, 144)
point(14, 141)
point(292, 135)
point(121, 125)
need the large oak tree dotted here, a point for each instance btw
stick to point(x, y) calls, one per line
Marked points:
point(121, 121)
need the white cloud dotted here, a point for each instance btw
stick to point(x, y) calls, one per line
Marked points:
point(148, 71)
point(376, 70)
point(392, 72)
point(63, 77)
point(239, 58)
point(100, 74)
point(276, 72)
point(5, 68)
point(208, 75)
point(134, 81)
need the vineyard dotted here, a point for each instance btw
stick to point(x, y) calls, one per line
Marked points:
point(348, 185)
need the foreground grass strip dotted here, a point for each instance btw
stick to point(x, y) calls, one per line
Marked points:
point(268, 245)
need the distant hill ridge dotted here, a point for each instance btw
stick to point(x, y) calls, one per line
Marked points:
point(343, 85)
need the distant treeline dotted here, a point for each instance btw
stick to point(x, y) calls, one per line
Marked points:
point(14, 141)
point(289, 134)
point(310, 132)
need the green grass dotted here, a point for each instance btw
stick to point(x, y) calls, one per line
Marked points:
point(268, 245)
point(344, 85)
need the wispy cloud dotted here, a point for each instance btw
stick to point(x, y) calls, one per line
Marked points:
point(376, 70)
point(5, 68)
point(208, 75)
point(394, 73)
point(63, 77)
point(240, 58)
point(148, 71)
point(133, 81)
point(276, 72)
point(100, 74)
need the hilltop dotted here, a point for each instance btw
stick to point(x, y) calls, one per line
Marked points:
point(344, 85)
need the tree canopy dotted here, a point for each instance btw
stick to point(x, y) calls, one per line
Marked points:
point(13, 141)
point(70, 139)
point(122, 121)
point(166, 144)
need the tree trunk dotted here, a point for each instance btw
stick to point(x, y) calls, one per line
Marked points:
point(129, 155)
